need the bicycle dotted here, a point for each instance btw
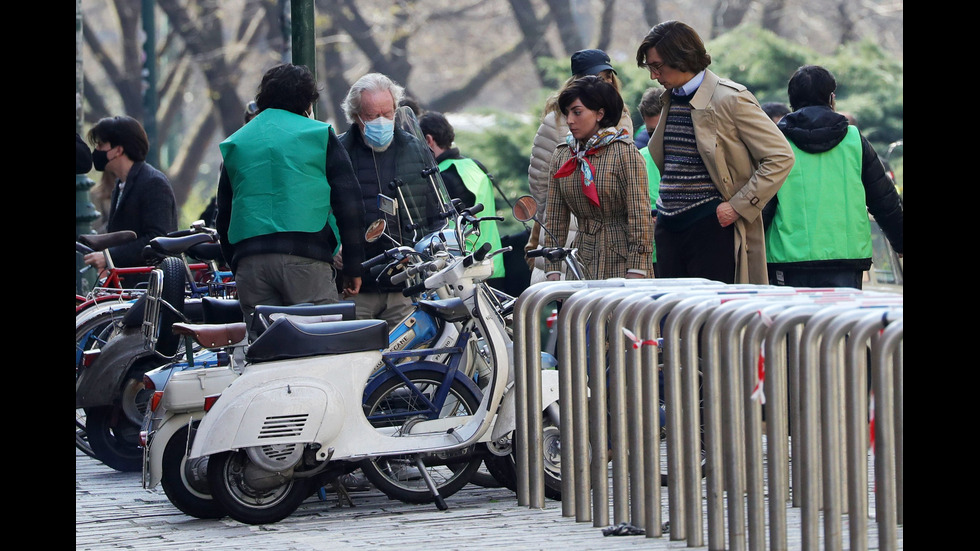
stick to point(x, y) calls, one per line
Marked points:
point(101, 313)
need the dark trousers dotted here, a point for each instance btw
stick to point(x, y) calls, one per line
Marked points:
point(816, 277)
point(704, 249)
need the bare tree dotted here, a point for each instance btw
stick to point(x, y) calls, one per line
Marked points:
point(651, 12)
point(533, 30)
point(564, 19)
point(727, 14)
point(845, 21)
point(772, 15)
point(606, 20)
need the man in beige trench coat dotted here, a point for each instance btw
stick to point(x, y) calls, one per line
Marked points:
point(711, 195)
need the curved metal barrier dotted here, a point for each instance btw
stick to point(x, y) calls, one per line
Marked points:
point(724, 351)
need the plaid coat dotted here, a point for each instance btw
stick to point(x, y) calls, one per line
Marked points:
point(616, 236)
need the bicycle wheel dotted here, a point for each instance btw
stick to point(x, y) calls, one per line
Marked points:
point(398, 476)
point(91, 334)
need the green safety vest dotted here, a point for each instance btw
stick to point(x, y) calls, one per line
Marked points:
point(277, 167)
point(479, 184)
point(653, 176)
point(822, 212)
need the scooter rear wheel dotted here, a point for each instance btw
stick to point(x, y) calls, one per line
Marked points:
point(504, 468)
point(185, 480)
point(229, 475)
point(114, 439)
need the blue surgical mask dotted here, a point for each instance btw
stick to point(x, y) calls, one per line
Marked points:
point(379, 132)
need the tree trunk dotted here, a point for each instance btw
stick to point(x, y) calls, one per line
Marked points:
point(533, 30)
point(651, 12)
point(561, 14)
point(772, 15)
point(846, 23)
point(188, 160)
point(727, 15)
point(606, 20)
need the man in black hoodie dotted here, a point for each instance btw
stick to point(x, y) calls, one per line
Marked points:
point(820, 233)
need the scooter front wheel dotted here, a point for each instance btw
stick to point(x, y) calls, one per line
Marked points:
point(504, 468)
point(185, 480)
point(398, 476)
point(251, 494)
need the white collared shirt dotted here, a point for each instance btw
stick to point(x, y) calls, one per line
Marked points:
point(690, 86)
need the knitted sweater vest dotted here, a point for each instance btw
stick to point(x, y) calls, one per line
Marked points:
point(686, 191)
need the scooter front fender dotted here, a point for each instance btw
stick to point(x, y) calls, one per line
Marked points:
point(157, 443)
point(507, 415)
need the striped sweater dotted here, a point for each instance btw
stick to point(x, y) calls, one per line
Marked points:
point(687, 193)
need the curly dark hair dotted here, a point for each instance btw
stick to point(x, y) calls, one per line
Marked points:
point(289, 87)
point(595, 94)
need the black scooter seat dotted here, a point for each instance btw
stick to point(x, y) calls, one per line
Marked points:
point(449, 309)
point(287, 339)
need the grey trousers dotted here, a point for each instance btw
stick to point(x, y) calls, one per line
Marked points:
point(391, 307)
point(283, 280)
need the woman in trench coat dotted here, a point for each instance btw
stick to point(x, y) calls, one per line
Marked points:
point(599, 176)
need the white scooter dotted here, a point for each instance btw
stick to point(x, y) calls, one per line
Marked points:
point(274, 432)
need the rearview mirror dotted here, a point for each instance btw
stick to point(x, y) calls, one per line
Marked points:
point(375, 230)
point(525, 208)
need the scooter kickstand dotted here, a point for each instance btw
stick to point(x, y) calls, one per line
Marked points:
point(440, 502)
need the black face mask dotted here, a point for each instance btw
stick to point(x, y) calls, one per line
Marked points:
point(100, 159)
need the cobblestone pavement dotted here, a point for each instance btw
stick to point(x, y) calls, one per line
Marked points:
point(113, 511)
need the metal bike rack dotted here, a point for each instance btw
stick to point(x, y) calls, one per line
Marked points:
point(813, 347)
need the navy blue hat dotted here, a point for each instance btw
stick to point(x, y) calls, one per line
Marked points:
point(590, 62)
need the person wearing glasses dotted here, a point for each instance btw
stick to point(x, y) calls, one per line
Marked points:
point(721, 159)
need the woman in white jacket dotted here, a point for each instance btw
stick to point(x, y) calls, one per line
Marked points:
point(552, 132)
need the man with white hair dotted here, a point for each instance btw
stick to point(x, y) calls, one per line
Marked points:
point(382, 155)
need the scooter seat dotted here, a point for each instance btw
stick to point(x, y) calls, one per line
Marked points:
point(449, 309)
point(287, 338)
point(213, 335)
point(265, 314)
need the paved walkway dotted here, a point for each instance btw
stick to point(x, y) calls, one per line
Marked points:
point(113, 511)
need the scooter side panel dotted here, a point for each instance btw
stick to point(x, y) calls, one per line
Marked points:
point(285, 402)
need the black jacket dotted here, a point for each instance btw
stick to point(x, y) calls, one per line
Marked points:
point(147, 207)
point(816, 129)
point(376, 171)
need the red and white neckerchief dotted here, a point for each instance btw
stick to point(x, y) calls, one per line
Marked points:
point(580, 159)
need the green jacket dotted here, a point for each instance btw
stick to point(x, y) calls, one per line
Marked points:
point(821, 214)
point(478, 183)
point(278, 189)
point(653, 176)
